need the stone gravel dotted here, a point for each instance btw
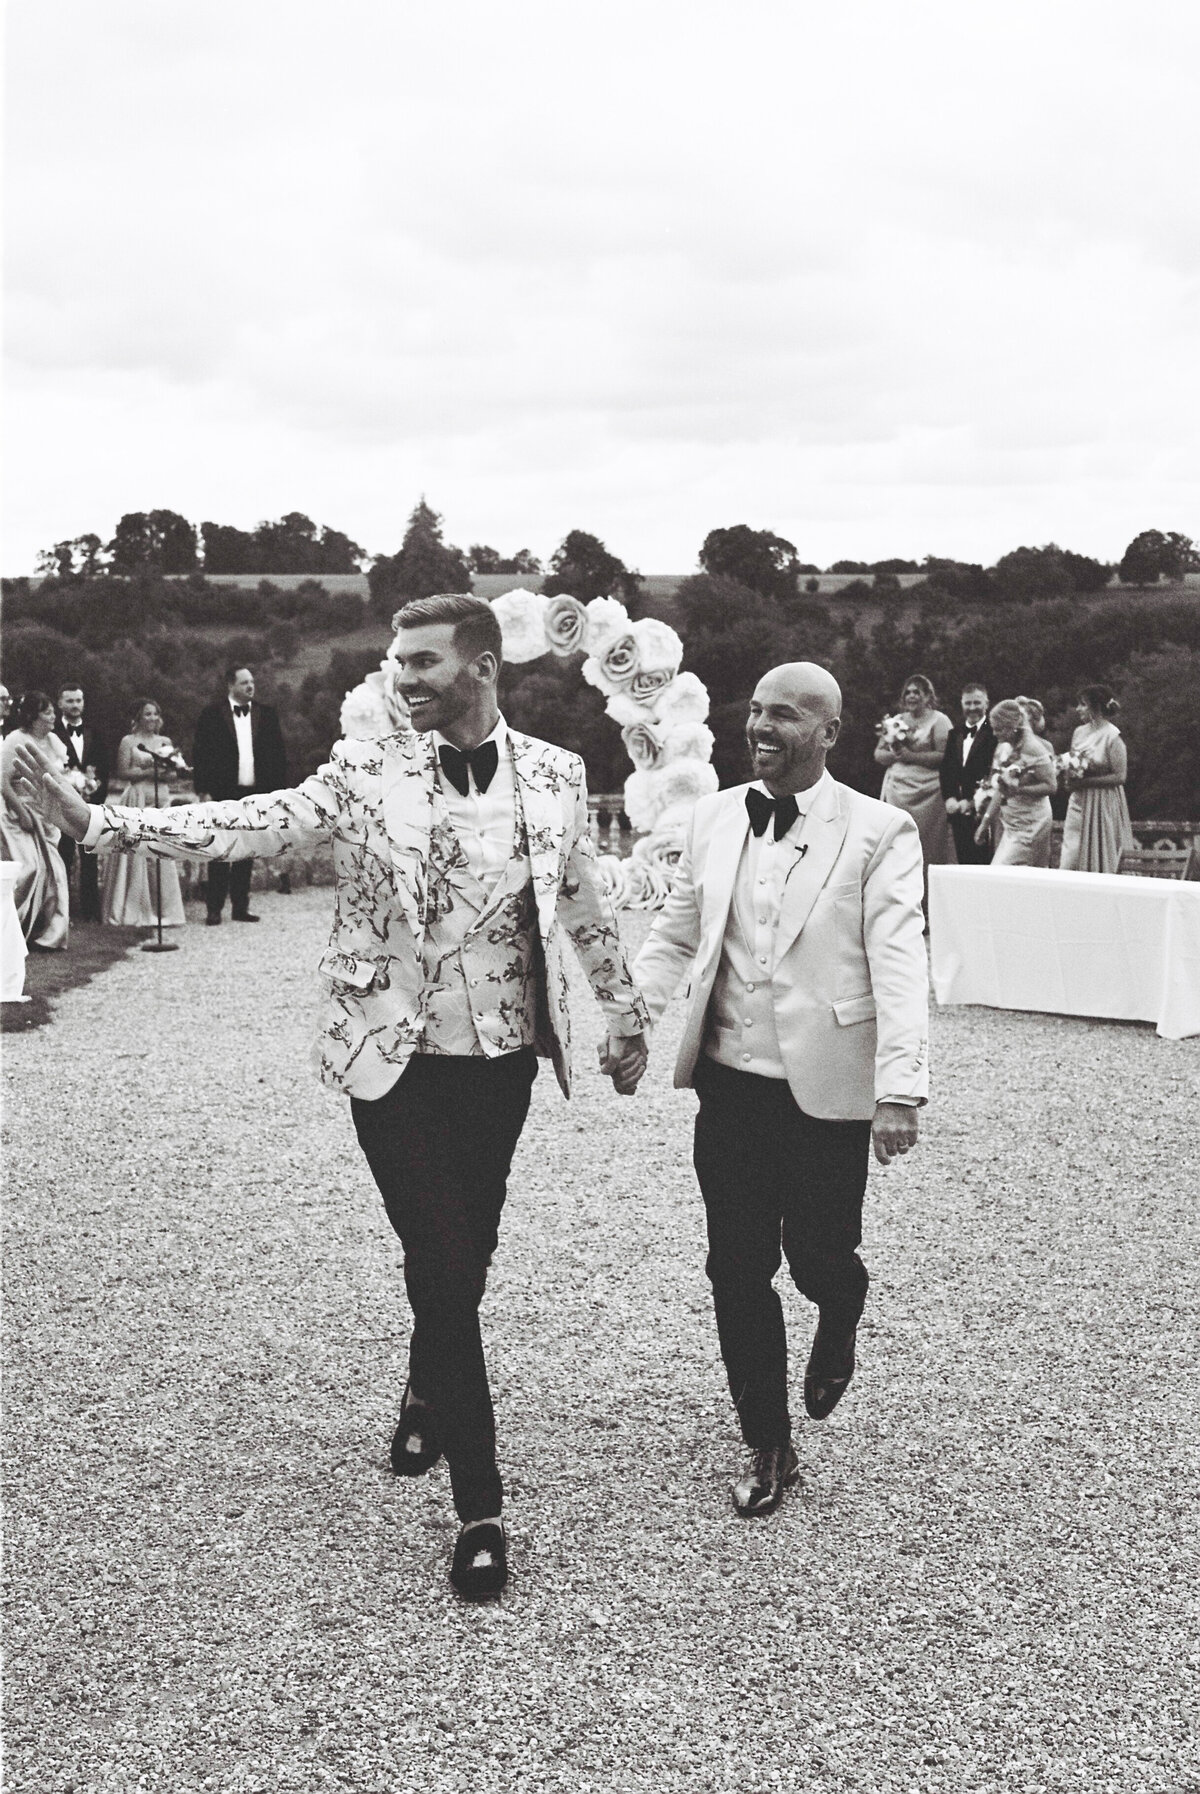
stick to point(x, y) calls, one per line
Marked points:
point(987, 1581)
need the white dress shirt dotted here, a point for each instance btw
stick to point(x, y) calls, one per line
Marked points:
point(741, 1015)
point(484, 821)
point(245, 745)
point(968, 740)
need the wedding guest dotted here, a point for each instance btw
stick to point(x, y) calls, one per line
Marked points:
point(6, 705)
point(40, 891)
point(133, 884)
point(87, 763)
point(1097, 828)
point(1026, 781)
point(238, 751)
point(967, 760)
point(911, 781)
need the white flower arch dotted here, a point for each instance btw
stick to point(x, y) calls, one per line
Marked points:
point(661, 713)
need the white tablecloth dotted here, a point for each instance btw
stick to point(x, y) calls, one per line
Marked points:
point(1073, 943)
point(12, 941)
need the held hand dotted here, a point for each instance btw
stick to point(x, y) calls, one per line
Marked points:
point(36, 782)
point(893, 1131)
point(624, 1061)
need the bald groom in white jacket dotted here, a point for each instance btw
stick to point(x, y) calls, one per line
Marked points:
point(796, 907)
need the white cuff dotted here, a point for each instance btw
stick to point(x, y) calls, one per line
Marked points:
point(95, 827)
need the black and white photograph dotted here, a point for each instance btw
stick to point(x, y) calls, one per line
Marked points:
point(600, 898)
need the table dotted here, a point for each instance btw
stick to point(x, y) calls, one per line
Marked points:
point(12, 941)
point(1071, 943)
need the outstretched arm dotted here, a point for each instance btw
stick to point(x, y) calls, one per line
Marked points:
point(242, 829)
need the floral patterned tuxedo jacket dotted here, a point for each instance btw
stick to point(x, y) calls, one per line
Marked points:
point(379, 804)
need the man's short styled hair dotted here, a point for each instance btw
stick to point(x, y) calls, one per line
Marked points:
point(68, 685)
point(476, 625)
point(973, 685)
point(231, 673)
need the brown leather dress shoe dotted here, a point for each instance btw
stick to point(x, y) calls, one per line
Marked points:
point(830, 1368)
point(770, 1472)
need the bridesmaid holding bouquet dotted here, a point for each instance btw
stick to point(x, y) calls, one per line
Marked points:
point(1097, 829)
point(912, 781)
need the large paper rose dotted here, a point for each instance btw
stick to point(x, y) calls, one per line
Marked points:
point(648, 795)
point(566, 625)
point(606, 617)
point(643, 744)
point(375, 707)
point(659, 652)
point(614, 664)
point(685, 741)
point(616, 879)
point(663, 848)
point(522, 619)
point(647, 886)
point(684, 700)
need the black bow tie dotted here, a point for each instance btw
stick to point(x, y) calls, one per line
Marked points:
point(784, 809)
point(971, 728)
point(241, 710)
point(457, 763)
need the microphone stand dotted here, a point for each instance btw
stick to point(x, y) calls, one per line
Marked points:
point(161, 761)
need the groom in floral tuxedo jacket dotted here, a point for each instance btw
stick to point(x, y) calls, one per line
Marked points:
point(462, 856)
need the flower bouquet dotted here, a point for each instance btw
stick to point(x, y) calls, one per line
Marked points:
point(895, 731)
point(1072, 766)
point(995, 785)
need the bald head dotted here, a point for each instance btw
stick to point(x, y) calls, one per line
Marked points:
point(794, 718)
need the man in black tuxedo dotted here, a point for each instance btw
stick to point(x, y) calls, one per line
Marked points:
point(86, 756)
point(967, 761)
point(238, 751)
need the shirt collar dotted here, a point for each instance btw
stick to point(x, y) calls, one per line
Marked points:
point(803, 798)
point(237, 704)
point(499, 735)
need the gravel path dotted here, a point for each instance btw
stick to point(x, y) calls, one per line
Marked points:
point(987, 1581)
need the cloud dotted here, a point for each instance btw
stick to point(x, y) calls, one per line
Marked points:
point(641, 271)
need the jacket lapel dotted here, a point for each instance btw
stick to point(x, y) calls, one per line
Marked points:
point(822, 836)
point(408, 787)
point(541, 805)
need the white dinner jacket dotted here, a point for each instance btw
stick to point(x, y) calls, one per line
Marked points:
point(850, 983)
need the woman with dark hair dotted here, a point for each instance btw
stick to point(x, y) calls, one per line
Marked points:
point(912, 781)
point(1097, 829)
point(40, 891)
point(129, 885)
point(1025, 782)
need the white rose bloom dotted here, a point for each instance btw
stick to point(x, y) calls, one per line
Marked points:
point(616, 879)
point(620, 706)
point(684, 700)
point(522, 619)
point(606, 617)
point(687, 741)
point(364, 714)
point(643, 803)
point(681, 782)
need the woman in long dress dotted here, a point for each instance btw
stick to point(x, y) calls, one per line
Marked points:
point(911, 781)
point(129, 881)
point(40, 890)
point(1027, 780)
point(1097, 829)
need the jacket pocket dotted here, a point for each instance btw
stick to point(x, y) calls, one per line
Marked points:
point(849, 1010)
point(347, 968)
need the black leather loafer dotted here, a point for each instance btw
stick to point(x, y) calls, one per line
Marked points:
point(416, 1447)
point(480, 1566)
point(761, 1489)
point(830, 1368)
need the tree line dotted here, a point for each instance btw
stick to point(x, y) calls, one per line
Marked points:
point(1021, 625)
point(167, 543)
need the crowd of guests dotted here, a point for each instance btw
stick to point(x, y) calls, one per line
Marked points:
point(238, 750)
point(979, 790)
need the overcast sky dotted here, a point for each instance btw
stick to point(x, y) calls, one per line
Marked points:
point(890, 279)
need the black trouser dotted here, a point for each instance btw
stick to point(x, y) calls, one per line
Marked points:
point(970, 851)
point(228, 878)
point(440, 1144)
point(89, 878)
point(771, 1174)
